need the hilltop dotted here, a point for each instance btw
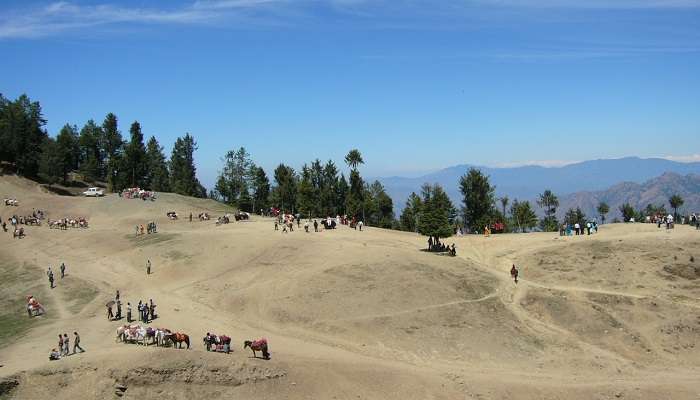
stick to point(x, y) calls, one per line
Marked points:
point(348, 314)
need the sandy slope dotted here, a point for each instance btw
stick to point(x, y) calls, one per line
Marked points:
point(359, 315)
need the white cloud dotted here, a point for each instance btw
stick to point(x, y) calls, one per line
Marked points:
point(687, 158)
point(594, 4)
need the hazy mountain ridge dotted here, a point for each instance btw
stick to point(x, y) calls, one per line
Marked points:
point(528, 181)
point(655, 191)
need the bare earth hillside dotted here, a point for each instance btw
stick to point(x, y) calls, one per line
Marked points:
point(348, 314)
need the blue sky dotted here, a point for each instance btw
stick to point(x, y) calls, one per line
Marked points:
point(415, 85)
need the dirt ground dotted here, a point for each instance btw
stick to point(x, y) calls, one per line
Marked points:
point(348, 314)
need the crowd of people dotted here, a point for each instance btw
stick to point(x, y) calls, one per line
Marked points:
point(577, 229)
point(64, 346)
point(138, 193)
point(146, 310)
point(436, 246)
point(151, 227)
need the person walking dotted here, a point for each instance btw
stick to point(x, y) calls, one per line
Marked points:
point(360, 225)
point(76, 343)
point(128, 312)
point(514, 273)
point(63, 270)
point(110, 315)
point(148, 267)
point(51, 279)
point(119, 310)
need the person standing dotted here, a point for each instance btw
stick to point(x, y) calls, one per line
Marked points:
point(51, 279)
point(119, 310)
point(190, 217)
point(66, 344)
point(315, 226)
point(110, 315)
point(148, 267)
point(117, 296)
point(63, 270)
point(76, 343)
point(128, 312)
point(360, 225)
point(60, 343)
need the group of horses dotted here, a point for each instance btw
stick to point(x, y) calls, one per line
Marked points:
point(65, 223)
point(161, 337)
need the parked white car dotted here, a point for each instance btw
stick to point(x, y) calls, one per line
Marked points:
point(94, 192)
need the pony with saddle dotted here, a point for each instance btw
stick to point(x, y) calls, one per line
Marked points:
point(178, 339)
point(258, 345)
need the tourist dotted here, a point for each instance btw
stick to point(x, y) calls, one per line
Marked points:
point(128, 312)
point(119, 310)
point(360, 225)
point(60, 342)
point(148, 267)
point(315, 226)
point(54, 355)
point(66, 344)
point(51, 279)
point(63, 270)
point(110, 315)
point(76, 343)
point(514, 273)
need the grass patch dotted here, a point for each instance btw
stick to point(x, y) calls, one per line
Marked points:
point(77, 293)
point(176, 255)
point(152, 239)
point(18, 281)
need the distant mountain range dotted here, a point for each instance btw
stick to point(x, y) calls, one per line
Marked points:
point(655, 191)
point(527, 182)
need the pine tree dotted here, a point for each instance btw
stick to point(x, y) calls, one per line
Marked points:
point(549, 202)
point(260, 189)
point(183, 173)
point(306, 196)
point(135, 157)
point(285, 193)
point(21, 134)
point(67, 146)
point(434, 217)
point(91, 153)
point(478, 199)
point(411, 212)
point(355, 197)
point(158, 176)
point(113, 147)
point(51, 162)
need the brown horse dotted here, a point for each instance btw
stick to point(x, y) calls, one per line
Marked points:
point(258, 345)
point(179, 338)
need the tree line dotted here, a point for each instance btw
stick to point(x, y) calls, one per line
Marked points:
point(317, 190)
point(98, 152)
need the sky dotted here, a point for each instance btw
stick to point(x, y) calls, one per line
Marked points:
point(414, 85)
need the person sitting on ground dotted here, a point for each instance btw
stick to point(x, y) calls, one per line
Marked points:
point(54, 355)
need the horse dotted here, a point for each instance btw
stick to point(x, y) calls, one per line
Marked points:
point(179, 338)
point(258, 345)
